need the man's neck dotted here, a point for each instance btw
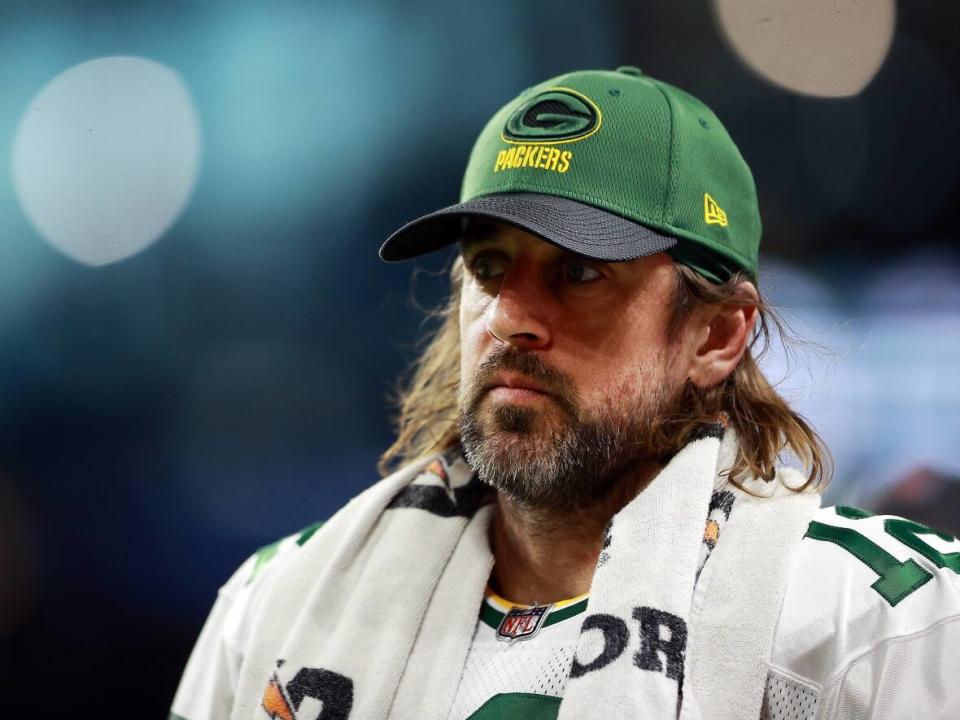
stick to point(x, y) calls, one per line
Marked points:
point(544, 556)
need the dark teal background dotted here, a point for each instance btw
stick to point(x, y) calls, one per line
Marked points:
point(163, 417)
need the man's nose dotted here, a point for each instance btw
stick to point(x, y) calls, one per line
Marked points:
point(517, 314)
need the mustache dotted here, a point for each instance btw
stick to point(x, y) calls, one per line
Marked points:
point(556, 383)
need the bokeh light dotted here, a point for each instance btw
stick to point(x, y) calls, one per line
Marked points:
point(825, 48)
point(106, 157)
point(872, 380)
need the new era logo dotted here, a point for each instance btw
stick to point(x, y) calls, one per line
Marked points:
point(713, 214)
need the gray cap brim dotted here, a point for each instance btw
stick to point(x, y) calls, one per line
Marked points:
point(581, 228)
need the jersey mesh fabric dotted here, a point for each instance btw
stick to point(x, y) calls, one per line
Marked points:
point(539, 664)
point(786, 699)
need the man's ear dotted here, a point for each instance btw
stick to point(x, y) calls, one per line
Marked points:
point(724, 333)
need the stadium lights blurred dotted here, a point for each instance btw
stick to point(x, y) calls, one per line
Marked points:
point(823, 48)
point(106, 157)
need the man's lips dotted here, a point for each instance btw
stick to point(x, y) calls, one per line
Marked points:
point(515, 381)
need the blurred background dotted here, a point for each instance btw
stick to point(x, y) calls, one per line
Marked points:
point(197, 337)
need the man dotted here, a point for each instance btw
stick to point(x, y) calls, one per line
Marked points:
point(588, 462)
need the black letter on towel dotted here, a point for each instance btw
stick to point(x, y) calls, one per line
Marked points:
point(333, 690)
point(651, 641)
point(615, 638)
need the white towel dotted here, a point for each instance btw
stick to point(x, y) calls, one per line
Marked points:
point(385, 596)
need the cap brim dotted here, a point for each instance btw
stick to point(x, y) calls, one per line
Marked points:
point(573, 225)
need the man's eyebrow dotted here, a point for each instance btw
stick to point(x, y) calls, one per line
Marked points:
point(477, 234)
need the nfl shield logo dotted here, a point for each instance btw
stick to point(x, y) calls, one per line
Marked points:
point(522, 623)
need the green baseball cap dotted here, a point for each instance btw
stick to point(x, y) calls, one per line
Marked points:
point(613, 165)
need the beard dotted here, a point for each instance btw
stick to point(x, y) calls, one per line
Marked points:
point(560, 455)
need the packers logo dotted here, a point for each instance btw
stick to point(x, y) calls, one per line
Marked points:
point(557, 115)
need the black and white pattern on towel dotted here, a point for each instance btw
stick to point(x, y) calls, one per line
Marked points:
point(658, 641)
point(605, 548)
point(307, 692)
point(446, 488)
point(721, 504)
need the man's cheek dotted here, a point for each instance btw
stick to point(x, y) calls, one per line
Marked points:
point(623, 388)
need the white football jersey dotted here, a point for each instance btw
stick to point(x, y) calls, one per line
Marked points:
point(510, 662)
point(870, 624)
point(869, 628)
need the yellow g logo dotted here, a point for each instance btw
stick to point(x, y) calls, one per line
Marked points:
point(554, 116)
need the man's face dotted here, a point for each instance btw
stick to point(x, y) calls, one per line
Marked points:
point(565, 365)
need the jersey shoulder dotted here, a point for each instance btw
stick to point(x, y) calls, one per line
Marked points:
point(283, 547)
point(210, 680)
point(861, 583)
point(241, 590)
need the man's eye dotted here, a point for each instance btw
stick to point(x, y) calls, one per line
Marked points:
point(487, 265)
point(578, 272)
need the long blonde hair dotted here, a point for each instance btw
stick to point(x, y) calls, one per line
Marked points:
point(427, 411)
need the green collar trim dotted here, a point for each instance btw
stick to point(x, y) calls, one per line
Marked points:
point(489, 615)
